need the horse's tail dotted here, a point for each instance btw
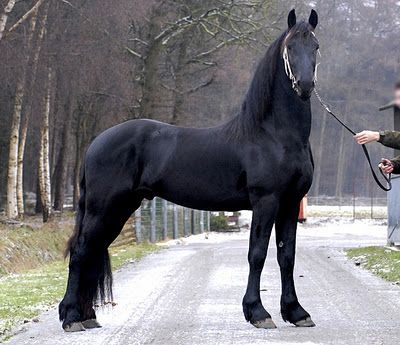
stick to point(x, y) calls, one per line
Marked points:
point(97, 286)
point(79, 216)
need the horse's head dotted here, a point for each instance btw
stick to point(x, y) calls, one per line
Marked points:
point(299, 51)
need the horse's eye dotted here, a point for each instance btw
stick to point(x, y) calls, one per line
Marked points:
point(289, 47)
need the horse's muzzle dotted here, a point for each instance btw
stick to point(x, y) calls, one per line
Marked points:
point(305, 89)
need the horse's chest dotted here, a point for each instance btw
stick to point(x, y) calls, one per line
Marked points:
point(297, 161)
point(275, 169)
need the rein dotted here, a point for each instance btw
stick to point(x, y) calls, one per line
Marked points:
point(365, 150)
point(291, 76)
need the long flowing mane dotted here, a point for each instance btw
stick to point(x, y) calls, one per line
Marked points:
point(258, 100)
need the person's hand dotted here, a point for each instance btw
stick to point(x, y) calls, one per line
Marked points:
point(386, 166)
point(366, 137)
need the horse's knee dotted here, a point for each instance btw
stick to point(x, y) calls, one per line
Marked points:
point(257, 257)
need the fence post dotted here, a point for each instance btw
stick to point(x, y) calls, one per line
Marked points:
point(208, 221)
point(164, 219)
point(193, 222)
point(138, 225)
point(185, 222)
point(153, 221)
point(201, 221)
point(176, 229)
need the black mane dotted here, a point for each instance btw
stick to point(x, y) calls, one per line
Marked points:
point(258, 100)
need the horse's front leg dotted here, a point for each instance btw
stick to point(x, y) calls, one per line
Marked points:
point(264, 212)
point(286, 228)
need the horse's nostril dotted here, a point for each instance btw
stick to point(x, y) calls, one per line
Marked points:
point(305, 84)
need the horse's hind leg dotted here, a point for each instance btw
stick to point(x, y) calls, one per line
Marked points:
point(286, 228)
point(89, 268)
point(264, 212)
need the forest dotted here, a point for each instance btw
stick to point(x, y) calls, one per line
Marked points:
point(71, 69)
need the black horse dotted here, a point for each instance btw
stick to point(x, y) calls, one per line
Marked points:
point(260, 160)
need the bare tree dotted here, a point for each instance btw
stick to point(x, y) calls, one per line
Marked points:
point(4, 16)
point(28, 110)
point(13, 206)
point(194, 39)
point(7, 11)
point(44, 164)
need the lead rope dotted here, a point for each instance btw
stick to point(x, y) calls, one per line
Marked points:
point(291, 76)
point(388, 179)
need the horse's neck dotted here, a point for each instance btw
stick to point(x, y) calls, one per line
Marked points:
point(288, 111)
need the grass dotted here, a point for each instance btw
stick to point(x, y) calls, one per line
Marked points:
point(24, 295)
point(26, 248)
point(381, 261)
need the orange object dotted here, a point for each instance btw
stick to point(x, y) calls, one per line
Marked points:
point(303, 210)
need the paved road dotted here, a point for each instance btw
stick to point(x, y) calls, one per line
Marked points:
point(191, 294)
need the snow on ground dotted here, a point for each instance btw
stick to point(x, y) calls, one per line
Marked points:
point(336, 231)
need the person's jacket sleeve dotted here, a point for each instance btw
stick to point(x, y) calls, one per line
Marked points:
point(396, 165)
point(392, 139)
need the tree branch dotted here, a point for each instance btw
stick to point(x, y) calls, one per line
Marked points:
point(26, 16)
point(191, 90)
point(4, 16)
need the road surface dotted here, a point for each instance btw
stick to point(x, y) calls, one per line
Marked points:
point(191, 294)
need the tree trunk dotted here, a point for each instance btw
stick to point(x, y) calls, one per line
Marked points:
point(77, 163)
point(150, 81)
point(151, 68)
point(317, 179)
point(4, 17)
point(20, 168)
point(12, 177)
point(341, 161)
point(38, 205)
point(44, 166)
point(61, 166)
point(12, 210)
point(179, 80)
point(28, 110)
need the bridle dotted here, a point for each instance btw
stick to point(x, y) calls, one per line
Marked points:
point(292, 78)
point(288, 67)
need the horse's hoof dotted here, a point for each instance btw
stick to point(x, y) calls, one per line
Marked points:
point(305, 323)
point(74, 327)
point(266, 324)
point(91, 323)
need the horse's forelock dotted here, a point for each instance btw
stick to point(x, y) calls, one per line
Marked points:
point(300, 28)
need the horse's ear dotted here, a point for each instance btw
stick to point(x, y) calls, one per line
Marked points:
point(292, 18)
point(313, 19)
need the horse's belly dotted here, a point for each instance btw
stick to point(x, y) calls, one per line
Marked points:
point(197, 172)
point(203, 193)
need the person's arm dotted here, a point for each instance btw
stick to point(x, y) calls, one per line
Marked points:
point(386, 138)
point(390, 139)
